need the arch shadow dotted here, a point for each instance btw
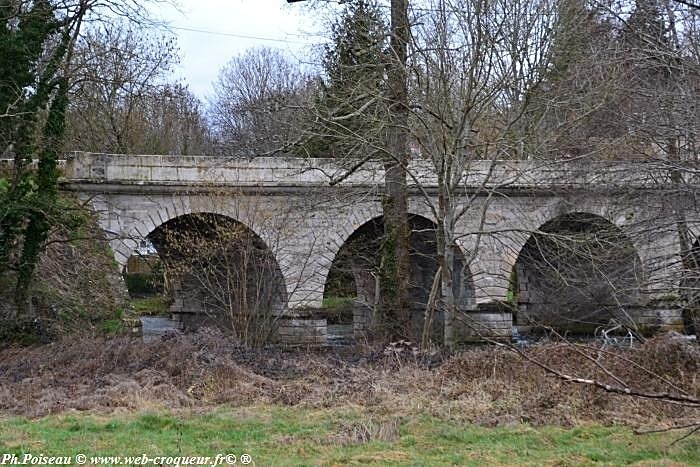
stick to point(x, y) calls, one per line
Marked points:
point(576, 273)
point(350, 290)
point(689, 288)
point(219, 271)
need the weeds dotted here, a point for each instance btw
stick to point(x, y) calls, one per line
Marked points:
point(483, 385)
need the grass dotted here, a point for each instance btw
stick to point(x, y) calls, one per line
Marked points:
point(338, 310)
point(275, 435)
point(150, 306)
point(115, 324)
point(337, 302)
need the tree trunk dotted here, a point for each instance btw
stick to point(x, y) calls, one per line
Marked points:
point(448, 292)
point(394, 264)
point(691, 316)
point(446, 256)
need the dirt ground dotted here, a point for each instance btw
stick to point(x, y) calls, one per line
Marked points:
point(486, 385)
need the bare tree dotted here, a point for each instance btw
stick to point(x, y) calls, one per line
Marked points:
point(475, 65)
point(257, 103)
point(223, 274)
point(121, 98)
point(460, 98)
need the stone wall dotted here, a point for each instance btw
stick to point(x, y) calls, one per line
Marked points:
point(479, 325)
point(293, 331)
point(291, 205)
point(281, 171)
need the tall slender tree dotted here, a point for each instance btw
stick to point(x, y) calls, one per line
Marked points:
point(395, 261)
point(349, 112)
point(363, 115)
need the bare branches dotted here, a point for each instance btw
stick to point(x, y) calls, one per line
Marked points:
point(687, 3)
point(257, 102)
point(679, 397)
point(220, 271)
point(695, 427)
point(121, 99)
point(615, 389)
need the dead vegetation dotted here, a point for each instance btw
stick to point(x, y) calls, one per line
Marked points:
point(484, 385)
point(77, 289)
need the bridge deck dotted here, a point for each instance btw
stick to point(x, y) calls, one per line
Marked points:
point(89, 168)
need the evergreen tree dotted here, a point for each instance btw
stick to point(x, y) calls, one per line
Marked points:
point(656, 84)
point(348, 112)
point(576, 104)
point(645, 30)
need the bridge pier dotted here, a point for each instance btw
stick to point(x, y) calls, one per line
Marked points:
point(290, 206)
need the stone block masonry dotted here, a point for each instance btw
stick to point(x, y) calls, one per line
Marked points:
point(304, 220)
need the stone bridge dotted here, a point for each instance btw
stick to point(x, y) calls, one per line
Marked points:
point(306, 211)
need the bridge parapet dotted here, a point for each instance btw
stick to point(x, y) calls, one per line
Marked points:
point(305, 227)
point(281, 171)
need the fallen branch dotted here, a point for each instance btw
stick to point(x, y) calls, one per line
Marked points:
point(667, 397)
point(688, 401)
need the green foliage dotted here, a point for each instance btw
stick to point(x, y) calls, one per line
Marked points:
point(114, 325)
point(575, 27)
point(645, 27)
point(144, 283)
point(355, 61)
point(18, 332)
point(393, 280)
point(340, 282)
point(390, 286)
point(33, 94)
point(348, 107)
point(338, 310)
point(580, 45)
point(79, 283)
point(513, 288)
point(337, 302)
point(150, 305)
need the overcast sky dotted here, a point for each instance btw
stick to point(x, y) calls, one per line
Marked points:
point(233, 26)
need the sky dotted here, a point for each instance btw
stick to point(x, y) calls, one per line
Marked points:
point(211, 32)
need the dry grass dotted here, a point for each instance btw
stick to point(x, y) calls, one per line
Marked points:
point(484, 385)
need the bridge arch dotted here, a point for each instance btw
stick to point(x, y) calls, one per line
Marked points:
point(689, 284)
point(136, 226)
point(218, 270)
point(576, 272)
point(352, 278)
point(498, 253)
